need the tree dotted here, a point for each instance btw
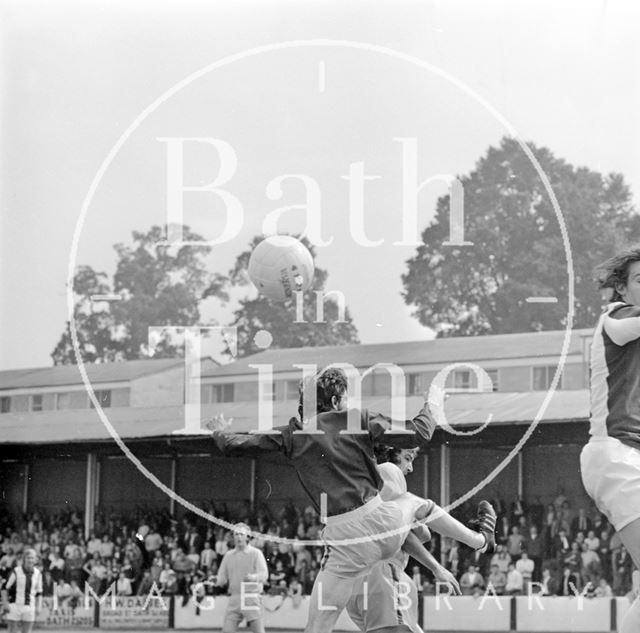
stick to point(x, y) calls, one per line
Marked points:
point(159, 285)
point(278, 318)
point(517, 247)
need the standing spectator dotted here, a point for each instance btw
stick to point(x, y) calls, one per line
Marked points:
point(207, 557)
point(582, 523)
point(514, 581)
point(592, 541)
point(194, 557)
point(503, 530)
point(152, 541)
point(590, 565)
point(514, 544)
point(526, 568)
point(144, 587)
point(222, 546)
point(535, 547)
point(562, 545)
point(604, 551)
point(106, 548)
point(622, 567)
point(93, 545)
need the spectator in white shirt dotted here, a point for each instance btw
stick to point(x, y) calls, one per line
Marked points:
point(592, 541)
point(515, 582)
point(106, 547)
point(525, 566)
point(123, 585)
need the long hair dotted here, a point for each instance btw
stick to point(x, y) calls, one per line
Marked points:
point(614, 272)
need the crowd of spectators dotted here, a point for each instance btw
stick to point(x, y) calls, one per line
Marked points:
point(566, 550)
point(563, 549)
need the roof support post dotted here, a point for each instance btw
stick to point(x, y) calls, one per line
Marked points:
point(90, 493)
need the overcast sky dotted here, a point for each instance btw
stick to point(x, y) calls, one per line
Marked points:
point(76, 75)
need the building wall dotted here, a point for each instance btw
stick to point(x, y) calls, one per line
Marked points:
point(515, 379)
point(163, 388)
point(246, 391)
point(574, 376)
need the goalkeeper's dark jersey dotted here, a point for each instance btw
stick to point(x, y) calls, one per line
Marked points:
point(615, 375)
point(340, 465)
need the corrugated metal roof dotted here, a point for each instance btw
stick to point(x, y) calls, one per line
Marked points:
point(462, 410)
point(98, 373)
point(442, 350)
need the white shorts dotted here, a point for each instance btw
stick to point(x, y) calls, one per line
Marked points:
point(389, 599)
point(357, 540)
point(611, 476)
point(21, 613)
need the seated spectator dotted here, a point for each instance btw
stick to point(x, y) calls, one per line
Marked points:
point(497, 579)
point(590, 570)
point(144, 587)
point(573, 560)
point(550, 585)
point(515, 583)
point(275, 576)
point(62, 591)
point(123, 585)
point(570, 583)
point(295, 591)
point(603, 590)
point(471, 582)
point(526, 567)
point(501, 558)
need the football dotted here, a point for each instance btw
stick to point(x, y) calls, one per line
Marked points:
point(279, 266)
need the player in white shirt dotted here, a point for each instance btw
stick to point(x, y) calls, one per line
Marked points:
point(244, 569)
point(22, 594)
point(386, 600)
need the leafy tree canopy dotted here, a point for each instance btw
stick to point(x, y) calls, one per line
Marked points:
point(517, 247)
point(158, 285)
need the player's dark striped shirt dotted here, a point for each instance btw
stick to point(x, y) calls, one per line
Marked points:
point(22, 587)
point(615, 375)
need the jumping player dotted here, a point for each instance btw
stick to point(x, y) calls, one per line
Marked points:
point(610, 462)
point(244, 569)
point(361, 529)
point(22, 593)
point(388, 602)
